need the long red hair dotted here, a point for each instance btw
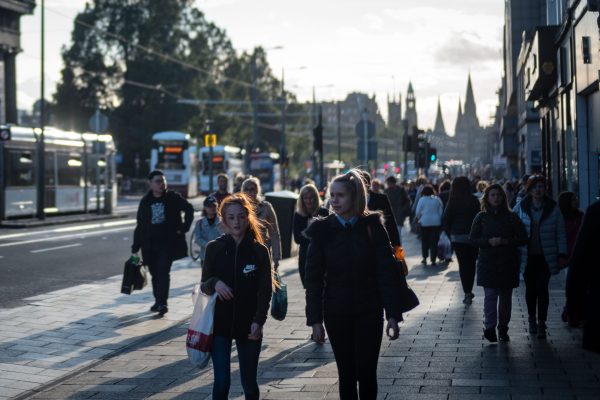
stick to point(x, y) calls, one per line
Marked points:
point(254, 224)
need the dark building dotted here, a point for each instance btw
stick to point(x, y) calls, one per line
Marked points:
point(10, 34)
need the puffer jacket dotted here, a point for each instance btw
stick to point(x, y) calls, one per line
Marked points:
point(246, 268)
point(552, 232)
point(205, 232)
point(349, 271)
point(498, 267)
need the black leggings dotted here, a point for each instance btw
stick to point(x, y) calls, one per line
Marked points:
point(537, 279)
point(430, 235)
point(467, 259)
point(356, 340)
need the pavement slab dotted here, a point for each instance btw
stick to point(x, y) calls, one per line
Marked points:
point(441, 353)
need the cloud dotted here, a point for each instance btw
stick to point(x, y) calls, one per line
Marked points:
point(462, 49)
point(374, 22)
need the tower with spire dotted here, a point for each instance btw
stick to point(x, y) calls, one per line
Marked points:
point(468, 133)
point(394, 111)
point(410, 113)
point(439, 127)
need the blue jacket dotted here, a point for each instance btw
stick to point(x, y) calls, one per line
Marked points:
point(205, 232)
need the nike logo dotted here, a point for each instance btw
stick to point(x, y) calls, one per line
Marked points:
point(249, 268)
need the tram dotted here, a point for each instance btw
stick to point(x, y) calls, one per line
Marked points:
point(225, 160)
point(175, 154)
point(79, 173)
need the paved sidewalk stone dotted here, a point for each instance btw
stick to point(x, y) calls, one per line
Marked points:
point(441, 353)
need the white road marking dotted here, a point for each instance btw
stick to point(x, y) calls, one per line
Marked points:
point(63, 237)
point(56, 248)
point(128, 221)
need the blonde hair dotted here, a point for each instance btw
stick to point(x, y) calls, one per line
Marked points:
point(313, 191)
point(252, 181)
point(355, 183)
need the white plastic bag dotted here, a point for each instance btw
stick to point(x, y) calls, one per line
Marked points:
point(444, 247)
point(200, 332)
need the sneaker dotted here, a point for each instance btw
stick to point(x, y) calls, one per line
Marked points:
point(424, 261)
point(490, 335)
point(503, 334)
point(541, 334)
point(468, 298)
point(154, 308)
point(533, 328)
point(433, 264)
point(162, 310)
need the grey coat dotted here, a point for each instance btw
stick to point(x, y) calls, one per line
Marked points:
point(552, 232)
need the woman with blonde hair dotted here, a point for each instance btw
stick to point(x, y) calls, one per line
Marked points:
point(266, 214)
point(237, 267)
point(351, 278)
point(308, 208)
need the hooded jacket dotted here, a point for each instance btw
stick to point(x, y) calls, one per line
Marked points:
point(349, 271)
point(552, 231)
point(175, 242)
point(246, 268)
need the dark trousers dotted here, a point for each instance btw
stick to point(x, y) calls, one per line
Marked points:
point(537, 279)
point(160, 269)
point(430, 235)
point(467, 260)
point(248, 353)
point(497, 306)
point(356, 340)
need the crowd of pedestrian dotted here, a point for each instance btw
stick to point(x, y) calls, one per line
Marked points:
point(502, 233)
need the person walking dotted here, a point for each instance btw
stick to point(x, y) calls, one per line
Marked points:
point(428, 215)
point(380, 202)
point(458, 218)
point(266, 214)
point(546, 252)
point(308, 208)
point(573, 216)
point(399, 201)
point(208, 227)
point(160, 234)
point(351, 277)
point(497, 232)
point(237, 267)
point(583, 279)
point(222, 188)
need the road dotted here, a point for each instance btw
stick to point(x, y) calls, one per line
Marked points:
point(36, 261)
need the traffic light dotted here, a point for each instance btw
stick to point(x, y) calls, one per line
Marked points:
point(210, 140)
point(5, 133)
point(432, 154)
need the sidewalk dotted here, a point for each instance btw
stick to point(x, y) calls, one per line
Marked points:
point(440, 354)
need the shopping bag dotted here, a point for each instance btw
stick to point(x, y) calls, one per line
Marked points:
point(407, 298)
point(279, 300)
point(135, 275)
point(200, 332)
point(444, 248)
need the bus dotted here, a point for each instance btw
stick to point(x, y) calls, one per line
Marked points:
point(76, 166)
point(227, 160)
point(265, 166)
point(175, 154)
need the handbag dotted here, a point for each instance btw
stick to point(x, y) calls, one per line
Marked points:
point(444, 247)
point(135, 275)
point(279, 299)
point(200, 331)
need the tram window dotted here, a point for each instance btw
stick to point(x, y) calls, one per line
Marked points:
point(69, 169)
point(92, 170)
point(19, 168)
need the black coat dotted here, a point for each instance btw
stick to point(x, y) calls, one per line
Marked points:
point(246, 268)
point(380, 202)
point(583, 279)
point(498, 267)
point(176, 243)
point(459, 215)
point(349, 272)
point(299, 225)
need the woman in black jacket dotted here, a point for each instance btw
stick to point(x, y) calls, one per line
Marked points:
point(458, 217)
point(498, 232)
point(351, 277)
point(308, 207)
point(237, 267)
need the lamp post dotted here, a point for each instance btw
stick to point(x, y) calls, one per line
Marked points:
point(40, 198)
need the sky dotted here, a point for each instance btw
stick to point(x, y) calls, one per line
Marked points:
point(333, 46)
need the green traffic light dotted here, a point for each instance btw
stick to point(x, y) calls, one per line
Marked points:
point(432, 157)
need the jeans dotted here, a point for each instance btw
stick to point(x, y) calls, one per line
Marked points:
point(160, 268)
point(537, 278)
point(430, 235)
point(248, 352)
point(497, 306)
point(467, 260)
point(355, 341)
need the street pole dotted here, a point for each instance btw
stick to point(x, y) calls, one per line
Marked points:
point(254, 103)
point(97, 153)
point(40, 181)
point(339, 130)
point(405, 127)
point(321, 151)
point(210, 156)
point(283, 151)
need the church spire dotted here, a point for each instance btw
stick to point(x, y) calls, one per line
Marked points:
point(459, 117)
point(470, 114)
point(439, 121)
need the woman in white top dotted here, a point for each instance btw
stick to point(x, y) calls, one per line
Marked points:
point(429, 216)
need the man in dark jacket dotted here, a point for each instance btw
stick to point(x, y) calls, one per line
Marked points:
point(399, 201)
point(380, 202)
point(160, 234)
